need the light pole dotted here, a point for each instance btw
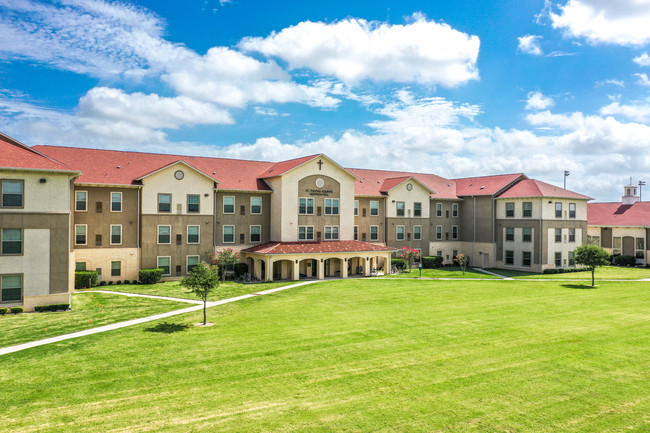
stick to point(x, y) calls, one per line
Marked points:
point(641, 185)
point(566, 173)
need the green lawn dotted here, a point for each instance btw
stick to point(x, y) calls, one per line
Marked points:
point(356, 356)
point(89, 310)
point(447, 272)
point(228, 289)
point(604, 272)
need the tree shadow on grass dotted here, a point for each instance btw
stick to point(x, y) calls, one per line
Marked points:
point(168, 328)
point(579, 286)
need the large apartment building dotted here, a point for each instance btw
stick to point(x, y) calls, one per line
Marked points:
point(303, 218)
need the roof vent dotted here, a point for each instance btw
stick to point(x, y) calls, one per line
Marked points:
point(119, 166)
point(214, 172)
point(483, 187)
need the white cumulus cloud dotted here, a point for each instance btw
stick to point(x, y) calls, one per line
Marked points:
point(537, 101)
point(529, 44)
point(643, 79)
point(642, 60)
point(635, 112)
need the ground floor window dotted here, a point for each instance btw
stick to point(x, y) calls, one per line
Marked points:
point(593, 240)
point(616, 246)
point(439, 253)
point(116, 269)
point(11, 287)
point(80, 266)
point(526, 258)
point(571, 259)
point(558, 259)
point(640, 248)
point(165, 264)
point(191, 262)
point(510, 257)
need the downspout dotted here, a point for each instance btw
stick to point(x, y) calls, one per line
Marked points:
point(541, 210)
point(214, 221)
point(474, 230)
point(139, 242)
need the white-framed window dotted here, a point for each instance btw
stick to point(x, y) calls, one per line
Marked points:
point(80, 266)
point(527, 234)
point(438, 233)
point(331, 206)
point(572, 235)
point(116, 234)
point(193, 203)
point(306, 233)
point(510, 210)
point(164, 203)
point(527, 211)
point(439, 210)
point(331, 233)
point(417, 233)
point(228, 204)
point(572, 260)
point(116, 202)
point(11, 288)
point(374, 233)
point(256, 205)
point(193, 234)
point(256, 234)
point(356, 233)
point(616, 246)
point(305, 206)
point(190, 262)
point(80, 234)
point(12, 242)
point(164, 234)
point(572, 210)
point(12, 192)
point(81, 201)
point(356, 208)
point(164, 262)
point(374, 208)
point(454, 232)
point(228, 234)
point(510, 234)
point(116, 268)
point(417, 209)
point(399, 233)
point(593, 240)
point(558, 210)
point(558, 235)
point(454, 210)
point(400, 208)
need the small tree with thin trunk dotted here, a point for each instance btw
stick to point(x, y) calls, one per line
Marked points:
point(202, 281)
point(462, 260)
point(408, 254)
point(591, 256)
point(224, 258)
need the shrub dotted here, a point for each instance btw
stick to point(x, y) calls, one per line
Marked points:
point(119, 282)
point(110, 283)
point(4, 311)
point(456, 263)
point(240, 269)
point(16, 310)
point(85, 279)
point(102, 283)
point(52, 307)
point(550, 271)
point(400, 264)
point(432, 262)
point(624, 260)
point(127, 282)
point(150, 276)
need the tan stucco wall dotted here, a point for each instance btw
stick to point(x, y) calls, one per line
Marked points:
point(364, 222)
point(400, 193)
point(102, 258)
point(53, 196)
point(164, 182)
point(30, 302)
point(243, 222)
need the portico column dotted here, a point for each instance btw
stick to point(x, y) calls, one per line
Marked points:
point(296, 270)
point(344, 268)
point(321, 269)
point(366, 267)
point(269, 270)
point(257, 268)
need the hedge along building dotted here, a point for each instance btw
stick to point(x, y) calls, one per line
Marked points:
point(36, 254)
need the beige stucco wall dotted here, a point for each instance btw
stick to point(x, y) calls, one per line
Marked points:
point(102, 258)
point(34, 264)
point(29, 302)
point(164, 182)
point(400, 193)
point(561, 247)
point(53, 196)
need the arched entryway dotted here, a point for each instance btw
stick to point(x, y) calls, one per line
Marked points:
point(308, 268)
point(282, 270)
point(333, 267)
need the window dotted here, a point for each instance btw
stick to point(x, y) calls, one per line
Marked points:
point(572, 260)
point(256, 234)
point(558, 235)
point(165, 264)
point(228, 234)
point(572, 210)
point(191, 262)
point(527, 234)
point(439, 209)
point(193, 234)
point(116, 234)
point(229, 204)
point(306, 206)
point(558, 210)
point(616, 246)
point(356, 208)
point(593, 240)
point(528, 209)
point(306, 233)
point(12, 241)
point(438, 233)
point(11, 287)
point(417, 209)
point(510, 210)
point(164, 202)
point(80, 234)
point(399, 233)
point(454, 232)
point(116, 202)
point(356, 233)
point(526, 258)
point(558, 259)
point(374, 233)
point(510, 234)
point(400, 208)
point(374, 208)
point(193, 203)
point(331, 232)
point(256, 205)
point(454, 210)
point(572, 235)
point(116, 269)
point(417, 233)
point(510, 257)
point(439, 253)
point(81, 201)
point(164, 234)
point(12, 192)
point(331, 206)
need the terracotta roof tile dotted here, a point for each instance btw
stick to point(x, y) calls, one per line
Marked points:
point(617, 214)
point(537, 188)
point(282, 167)
point(14, 154)
point(372, 182)
point(316, 247)
point(485, 185)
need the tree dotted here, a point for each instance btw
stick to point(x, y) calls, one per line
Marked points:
point(202, 281)
point(224, 258)
point(462, 260)
point(591, 256)
point(408, 254)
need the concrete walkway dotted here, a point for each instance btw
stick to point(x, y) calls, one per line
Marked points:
point(111, 327)
point(139, 295)
point(492, 273)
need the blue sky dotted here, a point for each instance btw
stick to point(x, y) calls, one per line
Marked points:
point(452, 88)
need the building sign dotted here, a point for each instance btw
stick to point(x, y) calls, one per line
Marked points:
point(319, 192)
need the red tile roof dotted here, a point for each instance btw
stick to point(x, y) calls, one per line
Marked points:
point(485, 185)
point(372, 182)
point(619, 215)
point(536, 188)
point(14, 154)
point(279, 168)
point(317, 247)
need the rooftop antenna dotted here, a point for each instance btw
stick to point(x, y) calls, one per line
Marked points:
point(641, 185)
point(566, 173)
